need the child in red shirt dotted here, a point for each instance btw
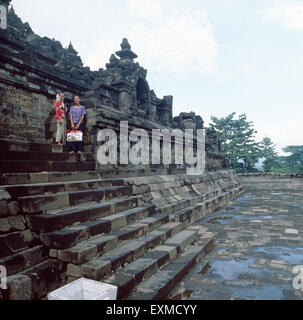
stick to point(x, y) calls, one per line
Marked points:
point(61, 120)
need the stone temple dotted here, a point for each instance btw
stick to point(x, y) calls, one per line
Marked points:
point(63, 216)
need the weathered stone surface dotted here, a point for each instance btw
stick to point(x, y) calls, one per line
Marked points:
point(79, 254)
point(3, 208)
point(250, 242)
point(17, 223)
point(73, 271)
point(162, 257)
point(4, 195)
point(42, 203)
point(15, 242)
point(53, 253)
point(96, 269)
point(141, 268)
point(182, 239)
point(28, 236)
point(14, 208)
point(171, 250)
point(124, 282)
point(160, 284)
point(5, 225)
point(19, 287)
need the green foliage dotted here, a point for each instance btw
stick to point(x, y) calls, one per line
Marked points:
point(294, 161)
point(268, 151)
point(238, 143)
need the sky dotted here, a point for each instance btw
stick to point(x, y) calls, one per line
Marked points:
point(214, 56)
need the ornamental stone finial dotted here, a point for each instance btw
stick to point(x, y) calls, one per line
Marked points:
point(126, 52)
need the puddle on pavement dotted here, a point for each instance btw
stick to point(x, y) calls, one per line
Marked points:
point(293, 256)
point(267, 292)
point(244, 198)
point(224, 219)
point(299, 205)
point(286, 196)
point(219, 220)
point(229, 269)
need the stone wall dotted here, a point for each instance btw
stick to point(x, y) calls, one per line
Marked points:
point(34, 69)
point(272, 175)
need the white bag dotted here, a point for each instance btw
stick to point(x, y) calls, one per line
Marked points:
point(75, 136)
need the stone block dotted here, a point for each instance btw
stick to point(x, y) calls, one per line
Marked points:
point(161, 257)
point(5, 225)
point(15, 242)
point(96, 269)
point(18, 179)
point(28, 236)
point(53, 253)
point(182, 239)
point(17, 223)
point(76, 198)
point(4, 195)
point(79, 254)
point(105, 243)
point(19, 287)
point(43, 203)
point(124, 282)
point(5, 250)
point(98, 227)
point(117, 221)
point(140, 269)
point(3, 208)
point(57, 148)
point(73, 271)
point(171, 250)
point(14, 208)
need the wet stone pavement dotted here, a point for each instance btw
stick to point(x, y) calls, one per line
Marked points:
point(258, 240)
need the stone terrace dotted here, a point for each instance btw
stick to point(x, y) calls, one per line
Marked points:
point(65, 216)
point(57, 226)
point(258, 242)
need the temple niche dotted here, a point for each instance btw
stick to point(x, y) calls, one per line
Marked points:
point(142, 95)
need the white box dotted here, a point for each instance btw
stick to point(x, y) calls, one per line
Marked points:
point(85, 289)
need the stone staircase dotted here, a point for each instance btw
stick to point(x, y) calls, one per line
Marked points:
point(134, 229)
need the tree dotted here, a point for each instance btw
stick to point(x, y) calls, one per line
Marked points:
point(269, 153)
point(294, 162)
point(238, 143)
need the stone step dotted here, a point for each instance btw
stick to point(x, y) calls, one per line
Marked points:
point(200, 210)
point(28, 166)
point(12, 243)
point(35, 282)
point(23, 190)
point(97, 246)
point(158, 286)
point(109, 211)
point(138, 272)
point(71, 236)
point(111, 261)
point(184, 203)
point(14, 178)
point(39, 156)
point(43, 203)
point(187, 216)
point(32, 147)
point(67, 238)
point(48, 177)
point(22, 260)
